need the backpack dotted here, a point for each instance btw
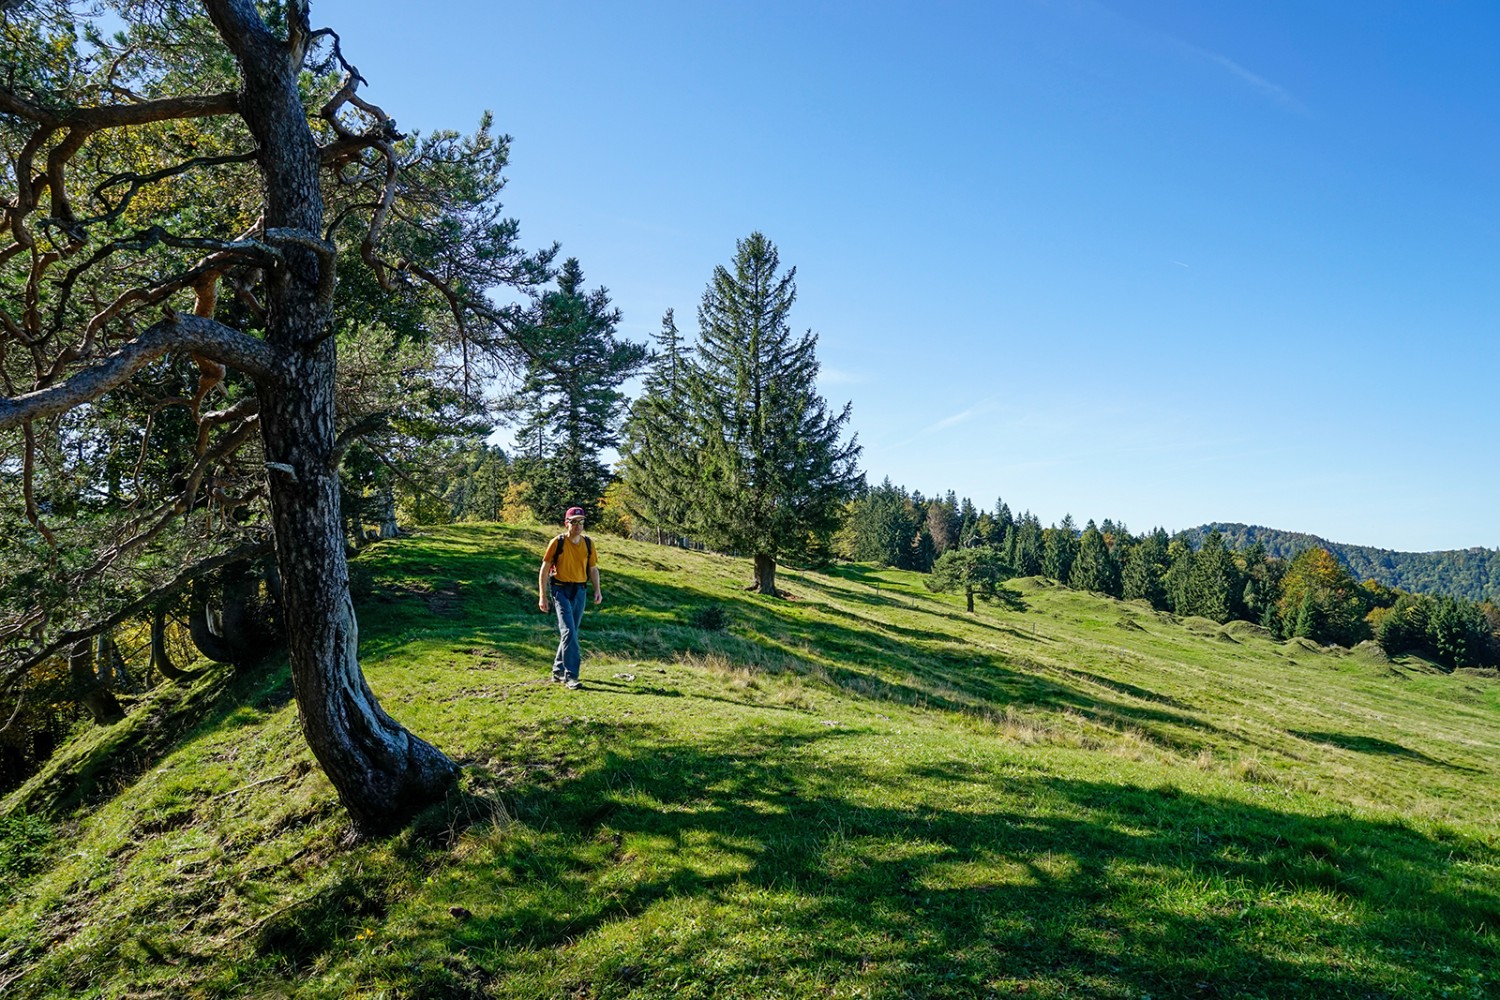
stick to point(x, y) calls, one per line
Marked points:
point(557, 551)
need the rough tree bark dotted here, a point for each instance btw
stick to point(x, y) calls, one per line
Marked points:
point(161, 660)
point(383, 774)
point(282, 272)
point(388, 526)
point(208, 639)
point(765, 575)
point(98, 700)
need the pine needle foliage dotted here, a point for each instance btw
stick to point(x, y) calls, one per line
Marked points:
point(570, 397)
point(740, 452)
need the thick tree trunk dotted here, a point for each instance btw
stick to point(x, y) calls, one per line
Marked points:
point(206, 637)
point(245, 628)
point(96, 699)
point(969, 593)
point(382, 773)
point(388, 526)
point(765, 575)
point(160, 658)
point(110, 666)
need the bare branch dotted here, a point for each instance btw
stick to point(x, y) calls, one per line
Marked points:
point(138, 181)
point(25, 661)
point(260, 360)
point(116, 115)
point(223, 252)
point(364, 426)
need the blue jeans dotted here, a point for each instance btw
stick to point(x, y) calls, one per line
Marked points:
point(569, 617)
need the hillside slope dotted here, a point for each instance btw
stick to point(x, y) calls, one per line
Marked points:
point(1472, 573)
point(858, 791)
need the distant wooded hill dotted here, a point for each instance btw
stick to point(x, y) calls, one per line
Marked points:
point(1471, 573)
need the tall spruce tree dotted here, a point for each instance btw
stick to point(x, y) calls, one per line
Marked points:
point(1213, 582)
point(1025, 545)
point(1059, 548)
point(1094, 567)
point(570, 396)
point(766, 466)
point(659, 450)
point(1178, 576)
point(1144, 570)
point(882, 526)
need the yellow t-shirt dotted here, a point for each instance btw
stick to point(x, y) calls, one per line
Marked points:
point(574, 561)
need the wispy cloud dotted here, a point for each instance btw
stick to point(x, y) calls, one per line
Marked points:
point(1127, 28)
point(1275, 92)
point(962, 417)
point(957, 418)
point(837, 376)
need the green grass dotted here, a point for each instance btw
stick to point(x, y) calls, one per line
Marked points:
point(859, 791)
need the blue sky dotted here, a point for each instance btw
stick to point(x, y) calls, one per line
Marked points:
point(1162, 261)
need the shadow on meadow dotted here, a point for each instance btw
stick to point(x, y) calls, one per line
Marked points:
point(1002, 884)
point(1379, 747)
point(882, 661)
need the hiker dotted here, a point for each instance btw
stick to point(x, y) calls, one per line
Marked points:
point(568, 566)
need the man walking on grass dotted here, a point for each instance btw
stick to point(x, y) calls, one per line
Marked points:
point(568, 565)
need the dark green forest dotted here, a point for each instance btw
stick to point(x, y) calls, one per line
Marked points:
point(1471, 573)
point(1310, 594)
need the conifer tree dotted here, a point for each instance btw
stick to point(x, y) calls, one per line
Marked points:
point(881, 527)
point(1059, 548)
point(1144, 570)
point(1094, 568)
point(1025, 550)
point(766, 463)
point(1003, 523)
point(571, 395)
point(1176, 580)
point(1213, 581)
point(659, 453)
point(976, 570)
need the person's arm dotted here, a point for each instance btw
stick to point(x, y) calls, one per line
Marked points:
point(594, 578)
point(541, 581)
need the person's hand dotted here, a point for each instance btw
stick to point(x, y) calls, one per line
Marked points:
point(598, 597)
point(541, 603)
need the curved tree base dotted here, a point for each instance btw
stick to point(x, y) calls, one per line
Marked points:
point(384, 775)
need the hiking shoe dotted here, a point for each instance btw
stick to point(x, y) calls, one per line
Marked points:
point(573, 683)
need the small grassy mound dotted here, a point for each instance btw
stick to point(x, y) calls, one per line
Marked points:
point(1241, 630)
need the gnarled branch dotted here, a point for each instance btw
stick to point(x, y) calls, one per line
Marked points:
point(260, 360)
point(25, 661)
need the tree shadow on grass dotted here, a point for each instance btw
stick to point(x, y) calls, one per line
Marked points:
point(864, 657)
point(757, 864)
point(1373, 745)
point(925, 603)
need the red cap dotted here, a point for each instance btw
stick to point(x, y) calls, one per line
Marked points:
point(572, 513)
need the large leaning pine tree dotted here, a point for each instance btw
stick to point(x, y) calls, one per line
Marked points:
point(766, 467)
point(195, 202)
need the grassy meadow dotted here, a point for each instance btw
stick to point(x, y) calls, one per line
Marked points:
point(859, 790)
